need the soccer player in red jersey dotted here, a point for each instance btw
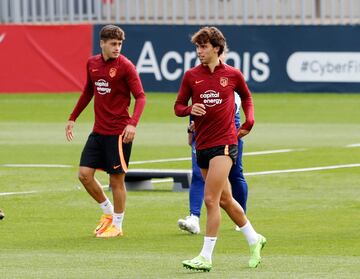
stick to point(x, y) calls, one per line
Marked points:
point(211, 86)
point(111, 78)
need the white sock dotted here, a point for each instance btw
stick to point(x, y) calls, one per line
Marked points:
point(107, 207)
point(249, 232)
point(197, 219)
point(117, 220)
point(208, 247)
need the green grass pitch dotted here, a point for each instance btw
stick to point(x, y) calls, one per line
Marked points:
point(311, 219)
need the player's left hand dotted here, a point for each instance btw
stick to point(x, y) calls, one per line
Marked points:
point(242, 132)
point(129, 133)
point(69, 130)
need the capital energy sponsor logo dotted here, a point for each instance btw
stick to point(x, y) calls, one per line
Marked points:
point(324, 67)
point(211, 98)
point(102, 87)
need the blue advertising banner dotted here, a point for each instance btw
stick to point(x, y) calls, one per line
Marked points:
point(272, 58)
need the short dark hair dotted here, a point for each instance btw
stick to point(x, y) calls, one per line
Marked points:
point(212, 35)
point(109, 32)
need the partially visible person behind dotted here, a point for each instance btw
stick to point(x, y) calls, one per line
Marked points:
point(111, 79)
point(239, 187)
point(211, 86)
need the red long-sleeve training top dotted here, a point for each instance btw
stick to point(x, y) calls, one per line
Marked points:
point(216, 91)
point(111, 82)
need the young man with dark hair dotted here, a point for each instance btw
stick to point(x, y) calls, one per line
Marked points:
point(239, 187)
point(211, 87)
point(111, 78)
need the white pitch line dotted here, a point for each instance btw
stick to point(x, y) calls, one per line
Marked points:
point(302, 170)
point(189, 158)
point(247, 174)
point(141, 162)
point(35, 166)
point(353, 145)
point(18, 193)
point(161, 161)
point(267, 152)
point(162, 180)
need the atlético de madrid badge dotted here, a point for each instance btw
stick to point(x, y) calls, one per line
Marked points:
point(224, 81)
point(112, 72)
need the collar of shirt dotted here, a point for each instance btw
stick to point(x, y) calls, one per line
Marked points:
point(218, 67)
point(109, 60)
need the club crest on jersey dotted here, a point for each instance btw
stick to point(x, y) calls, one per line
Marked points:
point(112, 72)
point(224, 81)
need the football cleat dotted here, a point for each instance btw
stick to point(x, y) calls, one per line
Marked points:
point(198, 263)
point(255, 251)
point(105, 221)
point(190, 224)
point(111, 231)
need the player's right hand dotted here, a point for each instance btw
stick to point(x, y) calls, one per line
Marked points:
point(198, 109)
point(69, 130)
point(242, 133)
point(191, 127)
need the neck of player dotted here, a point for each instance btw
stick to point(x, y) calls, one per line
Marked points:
point(213, 63)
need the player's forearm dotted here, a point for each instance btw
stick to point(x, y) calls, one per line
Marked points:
point(248, 108)
point(140, 102)
point(182, 110)
point(83, 101)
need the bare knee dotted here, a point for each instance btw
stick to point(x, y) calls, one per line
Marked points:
point(210, 201)
point(225, 201)
point(85, 177)
point(120, 186)
point(117, 181)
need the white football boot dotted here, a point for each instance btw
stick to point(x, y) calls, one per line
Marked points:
point(190, 224)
